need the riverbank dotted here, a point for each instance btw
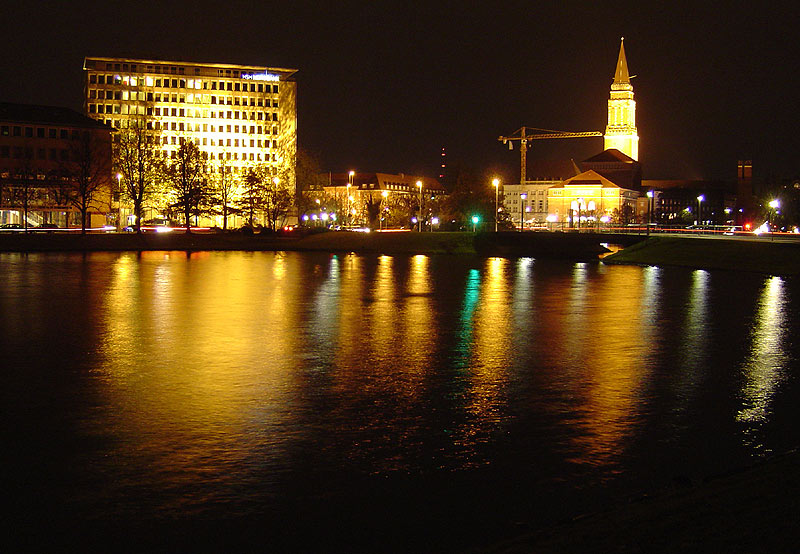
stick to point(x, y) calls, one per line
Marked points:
point(762, 256)
point(546, 245)
point(753, 510)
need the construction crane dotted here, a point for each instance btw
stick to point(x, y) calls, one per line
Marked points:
point(523, 137)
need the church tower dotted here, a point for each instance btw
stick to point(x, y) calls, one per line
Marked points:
point(621, 129)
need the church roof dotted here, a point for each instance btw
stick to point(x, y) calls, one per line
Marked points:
point(621, 75)
point(588, 178)
point(610, 155)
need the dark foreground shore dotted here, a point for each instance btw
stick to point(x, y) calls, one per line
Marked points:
point(753, 510)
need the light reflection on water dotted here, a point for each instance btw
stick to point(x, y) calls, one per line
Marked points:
point(210, 380)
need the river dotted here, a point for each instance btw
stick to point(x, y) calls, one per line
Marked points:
point(386, 402)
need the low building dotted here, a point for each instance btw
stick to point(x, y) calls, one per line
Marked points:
point(589, 199)
point(526, 204)
point(43, 150)
point(378, 199)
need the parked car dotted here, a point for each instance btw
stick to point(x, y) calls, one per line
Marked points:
point(46, 228)
point(12, 228)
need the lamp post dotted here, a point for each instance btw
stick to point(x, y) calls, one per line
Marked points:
point(496, 183)
point(419, 219)
point(522, 197)
point(774, 205)
point(475, 220)
point(649, 210)
point(119, 202)
point(350, 177)
point(385, 195)
point(700, 209)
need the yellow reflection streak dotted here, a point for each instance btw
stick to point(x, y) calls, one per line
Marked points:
point(197, 355)
point(382, 311)
point(490, 356)
point(614, 368)
point(764, 368)
point(417, 343)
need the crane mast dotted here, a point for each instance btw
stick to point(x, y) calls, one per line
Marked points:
point(523, 137)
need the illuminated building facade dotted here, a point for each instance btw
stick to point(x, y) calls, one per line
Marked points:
point(621, 130)
point(589, 199)
point(42, 152)
point(527, 204)
point(242, 115)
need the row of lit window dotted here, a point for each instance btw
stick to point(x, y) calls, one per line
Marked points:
point(197, 84)
point(166, 69)
point(226, 156)
point(38, 132)
point(196, 128)
point(181, 112)
point(125, 109)
point(124, 95)
point(235, 143)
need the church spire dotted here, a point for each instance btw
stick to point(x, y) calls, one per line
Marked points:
point(621, 130)
point(621, 76)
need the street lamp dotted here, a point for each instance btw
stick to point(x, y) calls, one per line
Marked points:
point(475, 220)
point(700, 200)
point(350, 177)
point(522, 197)
point(774, 205)
point(385, 195)
point(119, 202)
point(419, 184)
point(649, 210)
point(496, 183)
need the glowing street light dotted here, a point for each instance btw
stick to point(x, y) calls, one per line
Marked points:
point(419, 185)
point(385, 195)
point(496, 183)
point(700, 200)
point(350, 176)
point(522, 197)
point(475, 220)
point(119, 202)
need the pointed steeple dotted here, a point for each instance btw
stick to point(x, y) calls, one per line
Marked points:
point(621, 75)
point(621, 130)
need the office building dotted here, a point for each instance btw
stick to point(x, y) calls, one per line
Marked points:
point(241, 115)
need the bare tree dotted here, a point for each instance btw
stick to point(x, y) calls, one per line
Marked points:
point(137, 157)
point(88, 171)
point(225, 188)
point(186, 176)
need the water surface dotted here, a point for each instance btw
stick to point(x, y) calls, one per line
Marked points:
point(402, 394)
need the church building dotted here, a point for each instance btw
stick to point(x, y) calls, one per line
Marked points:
point(610, 183)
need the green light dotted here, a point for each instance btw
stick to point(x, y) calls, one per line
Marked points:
point(475, 219)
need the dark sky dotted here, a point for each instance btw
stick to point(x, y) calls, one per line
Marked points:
point(382, 86)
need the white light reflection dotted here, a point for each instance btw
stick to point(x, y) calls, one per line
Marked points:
point(764, 368)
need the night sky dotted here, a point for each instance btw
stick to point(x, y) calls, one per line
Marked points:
point(383, 86)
